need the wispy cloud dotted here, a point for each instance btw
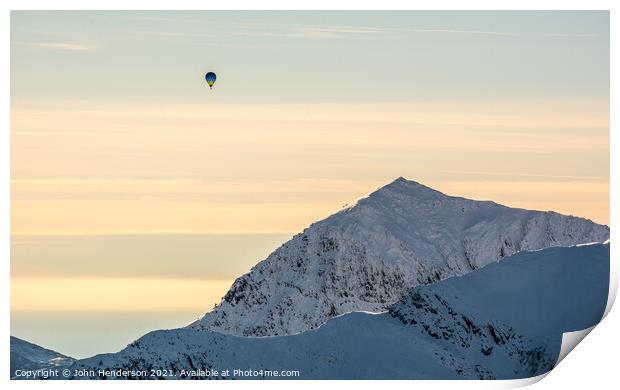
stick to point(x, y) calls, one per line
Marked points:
point(331, 31)
point(58, 46)
point(258, 29)
point(166, 33)
point(527, 175)
point(489, 32)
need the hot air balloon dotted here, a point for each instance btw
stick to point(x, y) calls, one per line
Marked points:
point(210, 77)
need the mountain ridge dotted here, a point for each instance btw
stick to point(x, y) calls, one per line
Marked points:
point(28, 356)
point(483, 325)
point(364, 257)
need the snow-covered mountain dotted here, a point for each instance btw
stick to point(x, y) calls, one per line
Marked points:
point(366, 256)
point(503, 321)
point(404, 284)
point(28, 356)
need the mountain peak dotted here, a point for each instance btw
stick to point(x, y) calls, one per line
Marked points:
point(401, 181)
point(404, 183)
point(400, 189)
point(403, 189)
point(365, 256)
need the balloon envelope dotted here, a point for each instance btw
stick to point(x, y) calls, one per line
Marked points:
point(210, 77)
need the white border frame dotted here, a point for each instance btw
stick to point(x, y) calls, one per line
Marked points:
point(594, 362)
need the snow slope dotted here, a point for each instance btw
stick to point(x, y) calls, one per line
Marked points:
point(28, 356)
point(503, 321)
point(366, 256)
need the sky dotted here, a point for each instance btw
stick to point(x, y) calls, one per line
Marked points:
point(128, 171)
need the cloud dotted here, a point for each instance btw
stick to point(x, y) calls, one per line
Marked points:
point(489, 32)
point(331, 31)
point(108, 166)
point(258, 29)
point(58, 46)
point(166, 33)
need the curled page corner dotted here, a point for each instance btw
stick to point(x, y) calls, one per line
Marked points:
point(518, 383)
point(570, 341)
point(613, 283)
